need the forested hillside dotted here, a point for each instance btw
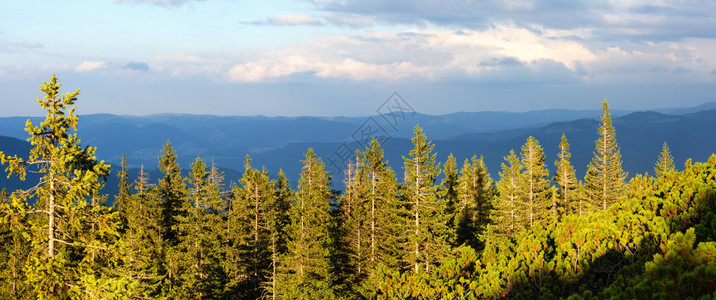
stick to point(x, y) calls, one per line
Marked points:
point(429, 229)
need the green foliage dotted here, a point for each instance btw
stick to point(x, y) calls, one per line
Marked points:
point(535, 184)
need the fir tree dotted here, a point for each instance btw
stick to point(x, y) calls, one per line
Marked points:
point(566, 180)
point(665, 163)
point(306, 266)
point(428, 233)
point(604, 181)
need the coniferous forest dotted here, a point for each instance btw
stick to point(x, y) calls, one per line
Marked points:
point(431, 230)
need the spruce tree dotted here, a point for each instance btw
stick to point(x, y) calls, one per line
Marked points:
point(384, 210)
point(509, 192)
point(197, 251)
point(141, 240)
point(253, 224)
point(449, 193)
point(428, 233)
point(171, 193)
point(665, 163)
point(536, 194)
point(61, 247)
point(476, 191)
point(566, 180)
point(280, 219)
point(306, 268)
point(604, 181)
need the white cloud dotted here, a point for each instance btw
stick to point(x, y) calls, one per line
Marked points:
point(293, 20)
point(165, 3)
point(89, 66)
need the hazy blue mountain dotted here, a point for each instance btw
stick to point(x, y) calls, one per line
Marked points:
point(279, 142)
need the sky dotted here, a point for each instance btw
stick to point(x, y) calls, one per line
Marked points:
point(346, 57)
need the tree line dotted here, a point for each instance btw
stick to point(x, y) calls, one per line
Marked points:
point(435, 231)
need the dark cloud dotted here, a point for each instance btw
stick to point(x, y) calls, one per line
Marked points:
point(137, 66)
point(507, 61)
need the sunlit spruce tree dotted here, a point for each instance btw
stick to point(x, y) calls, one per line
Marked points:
point(254, 229)
point(63, 243)
point(508, 200)
point(171, 193)
point(604, 181)
point(566, 181)
point(197, 253)
point(535, 182)
point(141, 238)
point(427, 230)
point(306, 267)
point(665, 163)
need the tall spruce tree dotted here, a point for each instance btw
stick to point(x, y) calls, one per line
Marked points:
point(665, 164)
point(509, 192)
point(252, 213)
point(384, 208)
point(475, 191)
point(604, 181)
point(280, 219)
point(427, 232)
point(449, 193)
point(141, 240)
point(566, 180)
point(197, 253)
point(306, 267)
point(535, 180)
point(62, 246)
point(171, 192)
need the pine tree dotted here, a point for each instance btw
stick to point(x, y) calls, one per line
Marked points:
point(509, 192)
point(604, 181)
point(358, 210)
point(428, 233)
point(566, 179)
point(306, 266)
point(665, 163)
point(476, 191)
point(58, 227)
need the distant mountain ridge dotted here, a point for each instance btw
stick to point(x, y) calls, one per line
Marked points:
point(279, 142)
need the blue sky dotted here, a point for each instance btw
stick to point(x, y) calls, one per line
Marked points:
point(344, 57)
